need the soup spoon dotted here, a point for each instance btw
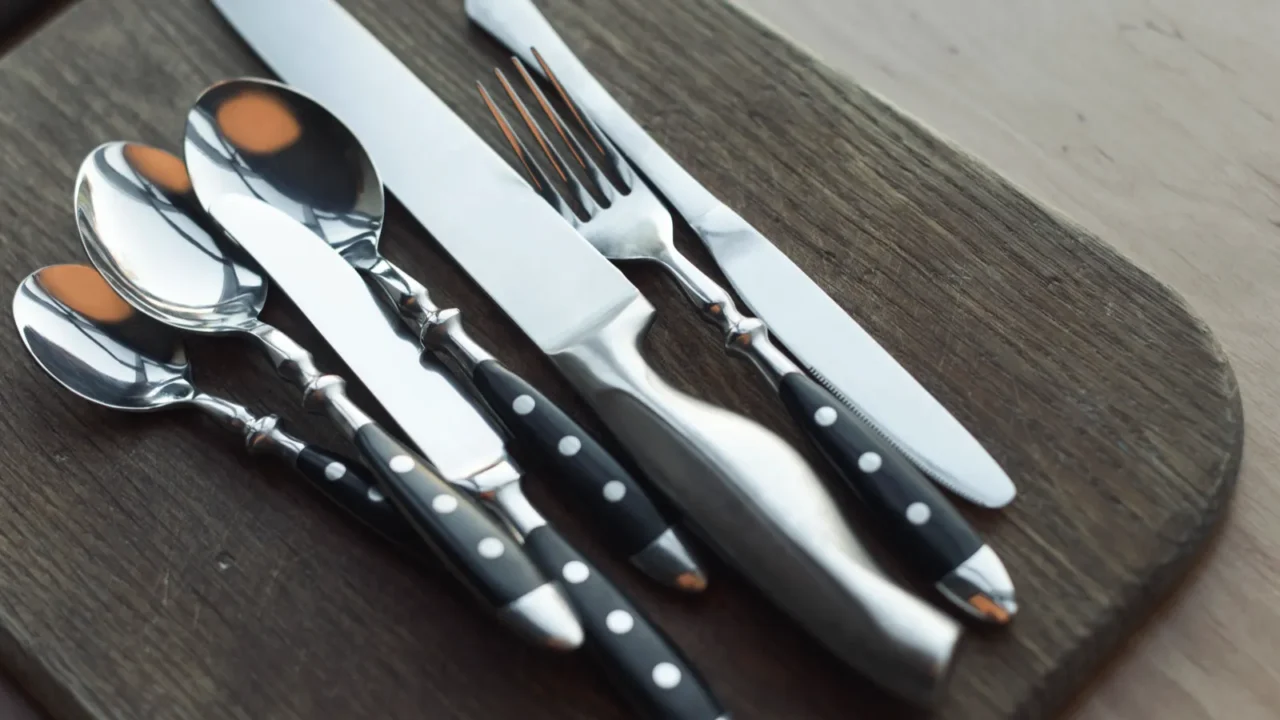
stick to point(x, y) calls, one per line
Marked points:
point(143, 231)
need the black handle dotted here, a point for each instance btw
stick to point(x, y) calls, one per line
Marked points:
point(931, 533)
point(348, 484)
point(627, 518)
point(462, 533)
point(644, 665)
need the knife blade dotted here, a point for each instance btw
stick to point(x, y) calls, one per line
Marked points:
point(749, 494)
point(830, 344)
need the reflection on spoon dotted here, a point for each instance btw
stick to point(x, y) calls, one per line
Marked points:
point(90, 340)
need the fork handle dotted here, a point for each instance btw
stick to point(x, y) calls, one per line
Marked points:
point(926, 530)
point(623, 513)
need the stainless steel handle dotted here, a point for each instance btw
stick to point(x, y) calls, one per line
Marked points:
point(758, 503)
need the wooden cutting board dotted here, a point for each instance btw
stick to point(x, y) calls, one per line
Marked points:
point(148, 569)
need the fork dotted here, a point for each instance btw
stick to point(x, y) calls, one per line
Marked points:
point(633, 224)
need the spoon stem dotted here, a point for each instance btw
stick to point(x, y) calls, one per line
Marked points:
point(440, 330)
point(261, 433)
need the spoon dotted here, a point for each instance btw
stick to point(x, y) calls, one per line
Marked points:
point(141, 228)
point(97, 346)
point(323, 178)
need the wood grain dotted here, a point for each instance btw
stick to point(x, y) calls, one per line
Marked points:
point(163, 575)
point(1154, 124)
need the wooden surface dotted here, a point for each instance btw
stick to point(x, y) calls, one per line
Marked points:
point(1154, 124)
point(163, 575)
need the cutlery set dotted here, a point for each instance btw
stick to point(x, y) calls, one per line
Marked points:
point(285, 183)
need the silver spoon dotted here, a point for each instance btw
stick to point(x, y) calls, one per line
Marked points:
point(140, 226)
point(324, 179)
point(97, 346)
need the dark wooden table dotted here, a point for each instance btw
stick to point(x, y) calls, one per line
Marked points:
point(1106, 399)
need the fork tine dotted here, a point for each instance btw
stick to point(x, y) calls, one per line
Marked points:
point(616, 160)
point(580, 154)
point(541, 183)
point(584, 198)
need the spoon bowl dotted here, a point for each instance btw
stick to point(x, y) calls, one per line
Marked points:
point(264, 139)
point(132, 201)
point(93, 343)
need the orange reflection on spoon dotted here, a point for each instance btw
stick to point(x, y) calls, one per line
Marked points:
point(82, 289)
point(258, 122)
point(159, 167)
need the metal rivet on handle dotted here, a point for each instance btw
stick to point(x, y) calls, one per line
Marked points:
point(869, 462)
point(619, 622)
point(569, 446)
point(523, 405)
point(614, 491)
point(491, 548)
point(576, 572)
point(666, 675)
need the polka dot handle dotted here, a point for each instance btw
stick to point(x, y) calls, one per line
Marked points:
point(647, 669)
point(624, 515)
point(924, 527)
point(349, 485)
point(463, 534)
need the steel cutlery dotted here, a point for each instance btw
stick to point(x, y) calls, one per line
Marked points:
point(93, 343)
point(749, 494)
point(646, 667)
point(927, 532)
point(828, 342)
point(324, 180)
point(130, 209)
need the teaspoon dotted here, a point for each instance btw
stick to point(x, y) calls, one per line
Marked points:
point(96, 345)
point(141, 227)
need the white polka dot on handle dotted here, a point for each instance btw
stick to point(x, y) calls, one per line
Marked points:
point(825, 416)
point(666, 675)
point(401, 463)
point(375, 495)
point(444, 503)
point(614, 491)
point(575, 572)
point(335, 471)
point(619, 622)
point(491, 548)
point(869, 462)
point(569, 446)
point(523, 405)
point(918, 513)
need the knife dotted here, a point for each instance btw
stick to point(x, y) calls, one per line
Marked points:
point(751, 496)
point(349, 218)
point(829, 344)
point(648, 669)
